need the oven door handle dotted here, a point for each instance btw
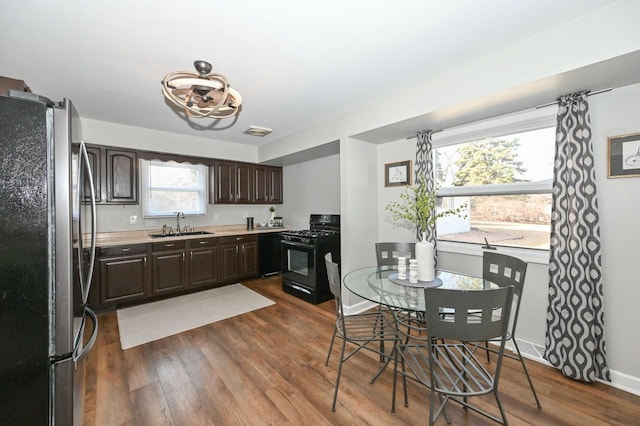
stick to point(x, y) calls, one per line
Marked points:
point(294, 244)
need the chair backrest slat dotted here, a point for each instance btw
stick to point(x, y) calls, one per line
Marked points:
point(387, 253)
point(472, 315)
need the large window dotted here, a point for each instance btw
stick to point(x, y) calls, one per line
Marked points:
point(504, 176)
point(169, 187)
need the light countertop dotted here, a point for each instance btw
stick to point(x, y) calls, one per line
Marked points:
point(106, 239)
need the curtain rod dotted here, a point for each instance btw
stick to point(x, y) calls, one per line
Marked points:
point(432, 132)
point(589, 93)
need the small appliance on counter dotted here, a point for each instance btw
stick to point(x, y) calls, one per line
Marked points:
point(276, 222)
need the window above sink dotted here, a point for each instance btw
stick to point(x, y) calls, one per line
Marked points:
point(168, 187)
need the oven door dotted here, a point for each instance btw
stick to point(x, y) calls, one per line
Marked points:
point(298, 263)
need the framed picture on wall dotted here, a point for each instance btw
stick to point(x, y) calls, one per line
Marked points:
point(397, 174)
point(623, 153)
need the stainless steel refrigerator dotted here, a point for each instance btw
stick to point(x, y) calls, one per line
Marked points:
point(47, 235)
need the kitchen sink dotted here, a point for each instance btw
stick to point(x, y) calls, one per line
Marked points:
point(181, 234)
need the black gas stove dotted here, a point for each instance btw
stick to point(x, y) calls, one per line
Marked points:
point(307, 235)
point(304, 273)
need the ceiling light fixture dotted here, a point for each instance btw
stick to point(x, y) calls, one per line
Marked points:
point(204, 94)
point(257, 131)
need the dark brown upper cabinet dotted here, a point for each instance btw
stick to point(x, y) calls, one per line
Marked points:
point(233, 182)
point(275, 185)
point(122, 177)
point(115, 175)
point(267, 184)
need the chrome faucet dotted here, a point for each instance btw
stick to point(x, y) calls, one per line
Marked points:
point(178, 219)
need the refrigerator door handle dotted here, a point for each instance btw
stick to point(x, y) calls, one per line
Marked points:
point(79, 351)
point(85, 281)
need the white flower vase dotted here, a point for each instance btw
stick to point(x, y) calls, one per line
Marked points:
point(424, 255)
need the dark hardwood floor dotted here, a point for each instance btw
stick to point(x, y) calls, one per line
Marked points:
point(267, 368)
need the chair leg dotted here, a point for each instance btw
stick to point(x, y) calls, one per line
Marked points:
point(395, 380)
point(526, 372)
point(382, 333)
point(404, 384)
point(335, 393)
point(502, 413)
point(333, 338)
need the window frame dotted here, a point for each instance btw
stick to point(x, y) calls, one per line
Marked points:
point(145, 188)
point(517, 122)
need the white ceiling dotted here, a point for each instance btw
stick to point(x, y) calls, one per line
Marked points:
point(294, 63)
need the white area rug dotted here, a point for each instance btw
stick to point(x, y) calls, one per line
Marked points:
point(152, 321)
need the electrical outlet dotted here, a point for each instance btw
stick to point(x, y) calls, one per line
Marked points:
point(216, 216)
point(133, 219)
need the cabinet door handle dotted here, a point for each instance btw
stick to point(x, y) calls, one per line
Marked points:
point(236, 249)
point(182, 255)
point(126, 249)
point(243, 248)
point(145, 261)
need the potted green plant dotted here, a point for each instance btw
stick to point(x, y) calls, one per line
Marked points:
point(419, 205)
point(272, 209)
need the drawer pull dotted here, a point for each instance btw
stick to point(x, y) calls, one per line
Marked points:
point(204, 242)
point(169, 245)
point(124, 250)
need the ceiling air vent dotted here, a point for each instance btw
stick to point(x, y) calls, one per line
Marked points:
point(257, 131)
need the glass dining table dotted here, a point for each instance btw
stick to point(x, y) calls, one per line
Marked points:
point(384, 288)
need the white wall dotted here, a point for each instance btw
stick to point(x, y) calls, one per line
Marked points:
point(359, 202)
point(616, 113)
point(311, 187)
point(105, 133)
point(392, 152)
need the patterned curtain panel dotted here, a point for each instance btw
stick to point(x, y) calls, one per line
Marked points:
point(424, 167)
point(575, 341)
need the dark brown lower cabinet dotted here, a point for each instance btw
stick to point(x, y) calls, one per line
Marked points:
point(169, 266)
point(123, 275)
point(239, 257)
point(140, 272)
point(203, 262)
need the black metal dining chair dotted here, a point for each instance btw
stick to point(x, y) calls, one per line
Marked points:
point(445, 362)
point(505, 270)
point(365, 331)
